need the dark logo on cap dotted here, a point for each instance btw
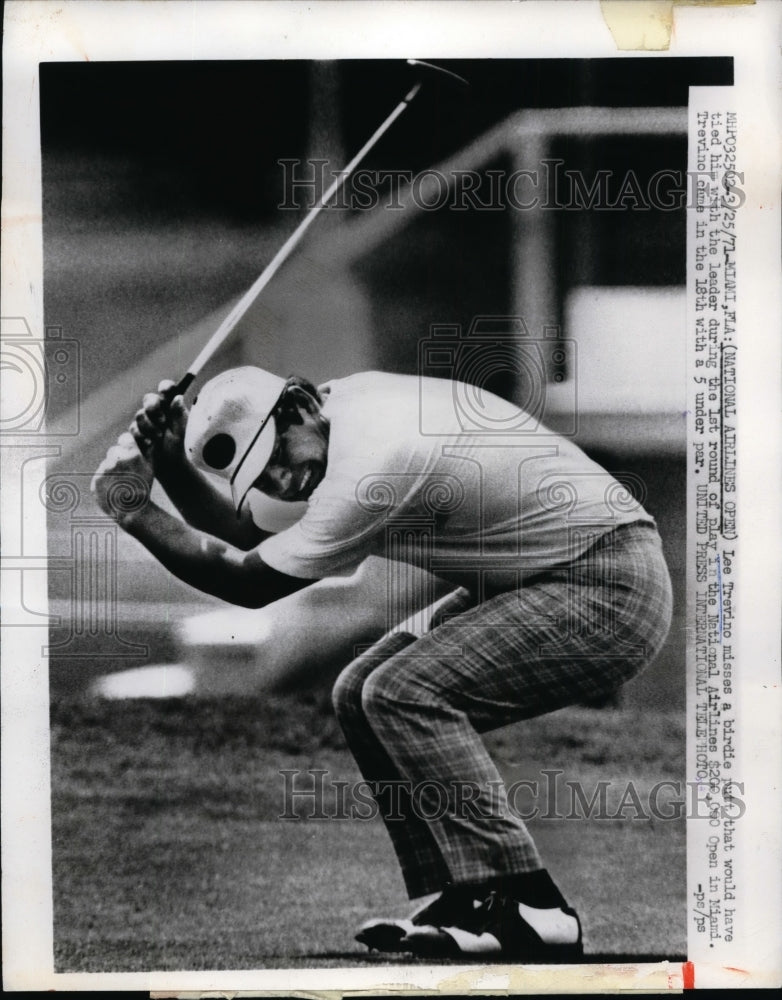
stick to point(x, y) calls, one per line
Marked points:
point(219, 451)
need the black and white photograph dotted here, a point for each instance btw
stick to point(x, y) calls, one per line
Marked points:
point(374, 533)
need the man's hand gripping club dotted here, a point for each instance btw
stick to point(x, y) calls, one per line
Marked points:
point(212, 549)
point(152, 448)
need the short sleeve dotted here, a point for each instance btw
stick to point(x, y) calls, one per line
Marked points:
point(334, 536)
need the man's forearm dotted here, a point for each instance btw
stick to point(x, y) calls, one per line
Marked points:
point(208, 563)
point(204, 507)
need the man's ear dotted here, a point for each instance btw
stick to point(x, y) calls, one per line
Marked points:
point(297, 395)
point(295, 401)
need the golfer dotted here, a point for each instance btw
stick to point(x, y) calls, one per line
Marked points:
point(561, 594)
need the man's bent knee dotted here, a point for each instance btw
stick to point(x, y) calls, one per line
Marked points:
point(392, 690)
point(346, 694)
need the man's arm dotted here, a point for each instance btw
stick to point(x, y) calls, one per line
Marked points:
point(122, 486)
point(159, 432)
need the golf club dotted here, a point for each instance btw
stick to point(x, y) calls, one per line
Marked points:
point(224, 330)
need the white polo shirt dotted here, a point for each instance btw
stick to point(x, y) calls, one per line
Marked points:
point(454, 480)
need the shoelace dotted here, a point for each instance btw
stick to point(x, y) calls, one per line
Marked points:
point(483, 915)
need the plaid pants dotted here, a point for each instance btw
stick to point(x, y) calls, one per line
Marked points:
point(412, 709)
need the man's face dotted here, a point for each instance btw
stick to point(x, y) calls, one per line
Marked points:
point(298, 462)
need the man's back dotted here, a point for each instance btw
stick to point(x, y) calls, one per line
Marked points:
point(469, 475)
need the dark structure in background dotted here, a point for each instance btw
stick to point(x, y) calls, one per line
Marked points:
point(161, 191)
point(206, 137)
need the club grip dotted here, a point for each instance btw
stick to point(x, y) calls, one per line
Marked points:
point(182, 385)
point(180, 388)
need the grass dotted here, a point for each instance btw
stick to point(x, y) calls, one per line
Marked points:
point(169, 853)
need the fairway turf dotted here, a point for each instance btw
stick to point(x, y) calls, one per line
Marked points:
point(169, 854)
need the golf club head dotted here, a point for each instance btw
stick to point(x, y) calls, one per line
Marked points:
point(428, 70)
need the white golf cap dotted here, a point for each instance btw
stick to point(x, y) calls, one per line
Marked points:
point(230, 431)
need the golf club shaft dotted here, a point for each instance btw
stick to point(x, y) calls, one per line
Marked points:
point(234, 316)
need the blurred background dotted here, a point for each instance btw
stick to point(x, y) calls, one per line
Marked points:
point(162, 187)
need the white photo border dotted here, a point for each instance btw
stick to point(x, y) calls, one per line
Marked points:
point(74, 30)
